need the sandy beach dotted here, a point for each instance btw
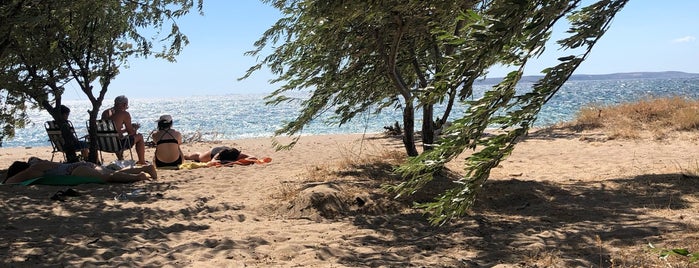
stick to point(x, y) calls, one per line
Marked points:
point(561, 199)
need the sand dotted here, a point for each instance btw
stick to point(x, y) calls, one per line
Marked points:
point(560, 200)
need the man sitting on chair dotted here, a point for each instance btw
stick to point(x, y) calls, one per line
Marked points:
point(122, 121)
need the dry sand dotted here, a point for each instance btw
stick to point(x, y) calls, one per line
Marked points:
point(560, 200)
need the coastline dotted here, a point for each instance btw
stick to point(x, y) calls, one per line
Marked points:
point(550, 200)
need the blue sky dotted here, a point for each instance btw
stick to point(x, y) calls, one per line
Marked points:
point(644, 36)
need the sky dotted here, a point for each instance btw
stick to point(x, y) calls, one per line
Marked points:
point(646, 36)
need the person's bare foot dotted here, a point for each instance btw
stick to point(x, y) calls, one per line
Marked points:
point(142, 176)
point(150, 169)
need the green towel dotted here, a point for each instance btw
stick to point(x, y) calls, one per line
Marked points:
point(62, 180)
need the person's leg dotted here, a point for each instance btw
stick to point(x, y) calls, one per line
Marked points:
point(199, 157)
point(125, 177)
point(120, 176)
point(149, 169)
point(84, 149)
point(140, 149)
point(192, 156)
point(86, 171)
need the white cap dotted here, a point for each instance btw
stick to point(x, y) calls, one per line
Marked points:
point(166, 118)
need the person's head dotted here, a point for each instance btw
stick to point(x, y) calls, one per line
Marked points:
point(16, 167)
point(121, 102)
point(230, 154)
point(65, 111)
point(165, 122)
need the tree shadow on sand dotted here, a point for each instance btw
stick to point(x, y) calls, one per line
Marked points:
point(107, 225)
point(515, 220)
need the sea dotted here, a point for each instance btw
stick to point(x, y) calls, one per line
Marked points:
point(238, 116)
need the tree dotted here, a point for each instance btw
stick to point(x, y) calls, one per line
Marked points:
point(513, 114)
point(359, 56)
point(82, 42)
point(368, 56)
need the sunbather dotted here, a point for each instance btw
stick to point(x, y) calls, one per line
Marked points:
point(20, 171)
point(221, 153)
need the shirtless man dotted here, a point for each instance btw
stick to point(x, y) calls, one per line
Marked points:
point(122, 121)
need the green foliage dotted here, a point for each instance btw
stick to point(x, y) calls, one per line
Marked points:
point(664, 253)
point(358, 56)
point(48, 44)
point(500, 108)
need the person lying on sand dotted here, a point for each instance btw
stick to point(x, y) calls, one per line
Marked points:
point(20, 171)
point(221, 154)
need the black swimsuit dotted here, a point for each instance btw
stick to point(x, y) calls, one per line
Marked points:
point(159, 163)
point(217, 150)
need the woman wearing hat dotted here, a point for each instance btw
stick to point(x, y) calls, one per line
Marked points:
point(167, 144)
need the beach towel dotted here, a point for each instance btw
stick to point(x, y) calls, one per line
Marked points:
point(240, 162)
point(193, 165)
point(61, 180)
point(247, 161)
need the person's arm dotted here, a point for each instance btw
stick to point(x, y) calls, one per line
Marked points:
point(154, 136)
point(36, 170)
point(178, 136)
point(127, 124)
point(27, 174)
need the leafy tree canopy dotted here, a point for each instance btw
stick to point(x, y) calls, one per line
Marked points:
point(48, 44)
point(359, 56)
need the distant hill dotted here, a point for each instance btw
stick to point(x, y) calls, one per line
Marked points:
point(587, 77)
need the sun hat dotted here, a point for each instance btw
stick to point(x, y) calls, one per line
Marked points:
point(166, 118)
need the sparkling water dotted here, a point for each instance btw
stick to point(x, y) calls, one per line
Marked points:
point(231, 117)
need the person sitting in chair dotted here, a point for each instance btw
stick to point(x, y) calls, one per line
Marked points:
point(122, 121)
point(167, 144)
point(80, 145)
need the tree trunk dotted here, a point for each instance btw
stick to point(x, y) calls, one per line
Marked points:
point(409, 129)
point(427, 127)
point(450, 104)
point(92, 155)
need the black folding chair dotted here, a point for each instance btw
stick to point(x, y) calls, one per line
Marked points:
point(109, 140)
point(56, 138)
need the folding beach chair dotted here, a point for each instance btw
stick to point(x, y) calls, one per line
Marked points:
point(109, 140)
point(56, 138)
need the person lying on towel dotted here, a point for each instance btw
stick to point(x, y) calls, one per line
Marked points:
point(221, 154)
point(20, 171)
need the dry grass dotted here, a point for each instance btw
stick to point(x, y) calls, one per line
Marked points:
point(370, 166)
point(660, 117)
point(373, 163)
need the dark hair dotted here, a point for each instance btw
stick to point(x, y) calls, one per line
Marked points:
point(163, 125)
point(65, 109)
point(230, 154)
point(16, 167)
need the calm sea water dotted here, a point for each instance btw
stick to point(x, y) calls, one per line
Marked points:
point(246, 116)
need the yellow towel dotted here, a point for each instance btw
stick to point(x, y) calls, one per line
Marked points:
point(193, 165)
